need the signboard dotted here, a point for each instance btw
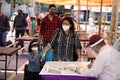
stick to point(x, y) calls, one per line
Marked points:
point(104, 9)
point(81, 8)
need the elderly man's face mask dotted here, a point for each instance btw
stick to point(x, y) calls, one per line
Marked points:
point(94, 52)
point(96, 48)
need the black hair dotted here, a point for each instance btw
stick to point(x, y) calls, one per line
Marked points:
point(30, 45)
point(70, 20)
point(19, 10)
point(52, 5)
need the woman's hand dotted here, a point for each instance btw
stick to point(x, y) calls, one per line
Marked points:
point(43, 56)
point(79, 59)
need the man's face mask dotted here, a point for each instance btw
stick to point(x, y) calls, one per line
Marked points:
point(52, 12)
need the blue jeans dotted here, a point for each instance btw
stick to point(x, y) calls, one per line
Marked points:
point(3, 38)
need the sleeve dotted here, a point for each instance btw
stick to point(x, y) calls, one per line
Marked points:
point(42, 28)
point(7, 24)
point(53, 38)
point(33, 59)
point(14, 22)
point(97, 68)
point(77, 43)
point(59, 23)
point(25, 22)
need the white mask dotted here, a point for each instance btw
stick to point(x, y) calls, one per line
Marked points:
point(34, 48)
point(65, 27)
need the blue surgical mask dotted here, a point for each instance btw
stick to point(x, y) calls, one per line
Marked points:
point(52, 12)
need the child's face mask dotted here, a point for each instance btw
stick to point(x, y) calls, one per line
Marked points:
point(34, 48)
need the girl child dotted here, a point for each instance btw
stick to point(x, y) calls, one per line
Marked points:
point(34, 60)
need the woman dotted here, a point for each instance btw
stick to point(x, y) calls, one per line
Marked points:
point(64, 42)
point(34, 60)
point(29, 23)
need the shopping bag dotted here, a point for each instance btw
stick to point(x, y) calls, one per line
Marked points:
point(48, 56)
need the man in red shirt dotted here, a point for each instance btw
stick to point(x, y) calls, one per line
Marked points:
point(49, 24)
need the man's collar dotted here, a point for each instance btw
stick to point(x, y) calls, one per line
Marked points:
point(104, 48)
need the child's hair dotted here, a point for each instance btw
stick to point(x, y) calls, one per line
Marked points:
point(70, 20)
point(33, 43)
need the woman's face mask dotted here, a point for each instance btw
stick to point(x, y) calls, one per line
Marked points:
point(34, 48)
point(65, 27)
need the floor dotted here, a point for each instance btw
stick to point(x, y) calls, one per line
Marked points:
point(22, 60)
